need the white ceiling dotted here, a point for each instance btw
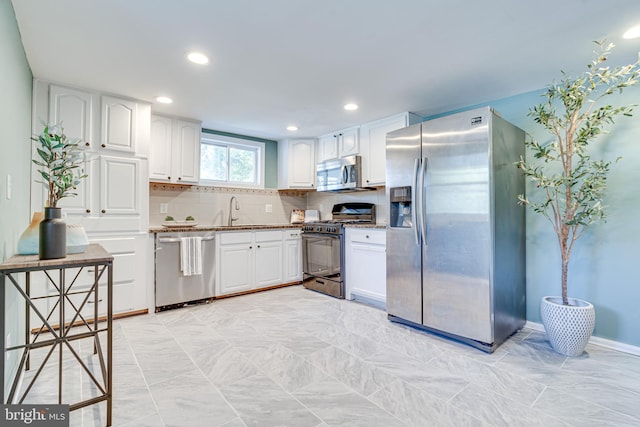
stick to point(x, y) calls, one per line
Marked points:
point(281, 62)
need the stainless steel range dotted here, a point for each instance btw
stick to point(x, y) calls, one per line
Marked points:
point(323, 247)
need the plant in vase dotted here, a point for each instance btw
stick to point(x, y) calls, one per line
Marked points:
point(60, 161)
point(570, 184)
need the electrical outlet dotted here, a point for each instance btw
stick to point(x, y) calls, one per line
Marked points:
point(268, 208)
point(164, 208)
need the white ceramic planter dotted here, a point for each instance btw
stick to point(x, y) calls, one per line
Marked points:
point(568, 327)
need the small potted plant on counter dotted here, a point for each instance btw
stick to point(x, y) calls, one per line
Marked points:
point(60, 160)
point(570, 184)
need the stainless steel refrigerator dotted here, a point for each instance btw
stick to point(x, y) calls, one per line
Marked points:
point(456, 235)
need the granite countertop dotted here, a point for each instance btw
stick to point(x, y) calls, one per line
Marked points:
point(240, 227)
point(376, 226)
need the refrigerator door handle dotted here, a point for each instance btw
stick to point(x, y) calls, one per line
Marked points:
point(415, 202)
point(423, 206)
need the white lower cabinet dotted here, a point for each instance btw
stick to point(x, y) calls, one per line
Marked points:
point(366, 265)
point(249, 260)
point(129, 284)
point(292, 256)
point(234, 258)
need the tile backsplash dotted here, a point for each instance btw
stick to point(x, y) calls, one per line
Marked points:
point(210, 205)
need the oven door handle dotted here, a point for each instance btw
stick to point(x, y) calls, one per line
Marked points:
point(324, 236)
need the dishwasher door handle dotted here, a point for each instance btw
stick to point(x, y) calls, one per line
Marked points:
point(177, 239)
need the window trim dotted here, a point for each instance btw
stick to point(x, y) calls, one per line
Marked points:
point(214, 139)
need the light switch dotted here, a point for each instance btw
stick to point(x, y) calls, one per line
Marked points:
point(268, 208)
point(164, 208)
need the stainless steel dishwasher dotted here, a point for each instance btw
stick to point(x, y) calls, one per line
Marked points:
point(172, 287)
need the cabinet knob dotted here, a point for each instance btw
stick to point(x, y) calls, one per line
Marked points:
point(179, 178)
point(250, 247)
point(258, 246)
point(103, 145)
point(87, 144)
point(88, 211)
point(103, 211)
point(168, 177)
point(367, 236)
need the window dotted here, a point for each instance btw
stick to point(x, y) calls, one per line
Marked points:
point(232, 162)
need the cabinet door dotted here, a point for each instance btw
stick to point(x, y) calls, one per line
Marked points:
point(186, 143)
point(365, 259)
point(292, 257)
point(236, 268)
point(268, 263)
point(375, 137)
point(120, 185)
point(302, 167)
point(82, 203)
point(118, 124)
point(327, 147)
point(349, 142)
point(160, 149)
point(74, 110)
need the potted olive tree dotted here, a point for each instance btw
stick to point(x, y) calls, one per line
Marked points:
point(60, 160)
point(570, 183)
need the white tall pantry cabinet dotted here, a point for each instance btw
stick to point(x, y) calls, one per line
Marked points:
point(112, 202)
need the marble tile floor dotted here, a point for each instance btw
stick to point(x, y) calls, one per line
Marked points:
point(293, 357)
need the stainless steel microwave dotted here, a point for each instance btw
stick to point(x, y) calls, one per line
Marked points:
point(343, 174)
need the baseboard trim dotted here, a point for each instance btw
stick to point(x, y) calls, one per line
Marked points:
point(602, 342)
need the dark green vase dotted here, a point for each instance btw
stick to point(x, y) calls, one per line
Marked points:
point(53, 235)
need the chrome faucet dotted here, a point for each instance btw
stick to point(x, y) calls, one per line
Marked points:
point(237, 207)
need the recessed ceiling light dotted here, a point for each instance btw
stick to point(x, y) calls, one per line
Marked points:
point(198, 58)
point(292, 128)
point(351, 107)
point(164, 100)
point(632, 33)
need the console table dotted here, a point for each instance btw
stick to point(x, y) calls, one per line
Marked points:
point(69, 301)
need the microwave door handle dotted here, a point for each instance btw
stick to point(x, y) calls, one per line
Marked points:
point(345, 175)
point(415, 202)
point(423, 204)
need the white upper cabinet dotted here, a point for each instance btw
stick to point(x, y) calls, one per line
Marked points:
point(373, 143)
point(339, 144)
point(327, 147)
point(186, 145)
point(74, 110)
point(118, 124)
point(349, 142)
point(174, 153)
point(296, 164)
point(160, 148)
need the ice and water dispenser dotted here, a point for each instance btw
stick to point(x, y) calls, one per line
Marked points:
point(400, 209)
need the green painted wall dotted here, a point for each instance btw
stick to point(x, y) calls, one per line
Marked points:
point(603, 263)
point(15, 154)
point(270, 156)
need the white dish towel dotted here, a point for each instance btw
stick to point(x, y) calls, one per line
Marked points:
point(191, 255)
